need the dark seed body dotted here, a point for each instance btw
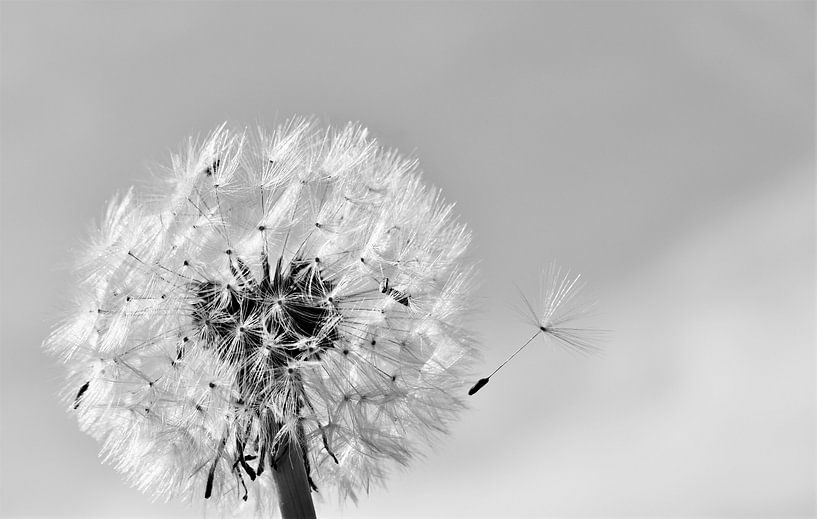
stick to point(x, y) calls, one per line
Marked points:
point(479, 385)
point(83, 388)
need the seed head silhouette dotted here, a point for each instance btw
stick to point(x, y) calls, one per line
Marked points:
point(285, 310)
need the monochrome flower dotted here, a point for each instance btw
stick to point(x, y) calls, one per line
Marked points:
point(295, 287)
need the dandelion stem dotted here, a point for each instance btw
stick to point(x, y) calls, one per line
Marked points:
point(294, 494)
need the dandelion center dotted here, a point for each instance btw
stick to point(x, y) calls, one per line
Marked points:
point(286, 312)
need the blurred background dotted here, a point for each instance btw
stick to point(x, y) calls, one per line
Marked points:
point(664, 150)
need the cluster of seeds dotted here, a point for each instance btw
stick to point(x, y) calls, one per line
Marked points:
point(298, 285)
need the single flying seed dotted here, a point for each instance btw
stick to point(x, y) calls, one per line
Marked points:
point(559, 308)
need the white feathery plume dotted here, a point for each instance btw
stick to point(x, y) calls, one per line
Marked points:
point(561, 307)
point(300, 287)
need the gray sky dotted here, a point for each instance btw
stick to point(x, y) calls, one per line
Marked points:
point(664, 150)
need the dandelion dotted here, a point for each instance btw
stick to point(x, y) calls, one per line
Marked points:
point(560, 307)
point(284, 314)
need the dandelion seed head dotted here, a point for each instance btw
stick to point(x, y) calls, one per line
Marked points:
point(300, 283)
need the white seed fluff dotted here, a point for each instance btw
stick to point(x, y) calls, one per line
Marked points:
point(560, 307)
point(301, 283)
